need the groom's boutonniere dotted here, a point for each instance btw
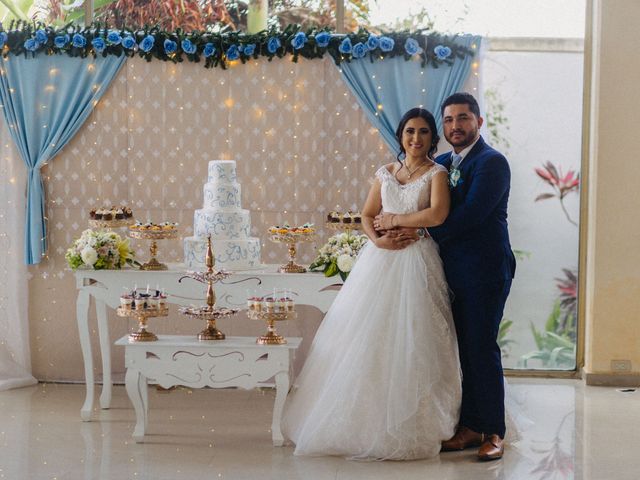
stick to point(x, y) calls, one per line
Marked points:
point(454, 177)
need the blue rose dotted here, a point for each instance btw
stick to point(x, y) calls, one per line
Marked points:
point(359, 50)
point(249, 49)
point(147, 43)
point(412, 47)
point(322, 39)
point(298, 40)
point(114, 38)
point(345, 46)
point(98, 44)
point(373, 42)
point(188, 46)
point(442, 52)
point(209, 50)
point(387, 44)
point(3, 38)
point(61, 41)
point(170, 46)
point(31, 44)
point(128, 42)
point(233, 53)
point(79, 41)
point(41, 36)
point(273, 45)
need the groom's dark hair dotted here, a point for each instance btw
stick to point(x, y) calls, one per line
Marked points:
point(461, 98)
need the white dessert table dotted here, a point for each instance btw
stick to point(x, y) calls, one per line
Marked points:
point(183, 360)
point(106, 286)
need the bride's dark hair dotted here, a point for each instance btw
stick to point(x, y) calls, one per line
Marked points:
point(428, 117)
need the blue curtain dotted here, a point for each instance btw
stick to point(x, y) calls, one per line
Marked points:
point(45, 101)
point(386, 89)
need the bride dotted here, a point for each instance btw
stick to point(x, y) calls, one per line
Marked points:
point(382, 378)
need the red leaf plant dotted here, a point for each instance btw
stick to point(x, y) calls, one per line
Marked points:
point(562, 184)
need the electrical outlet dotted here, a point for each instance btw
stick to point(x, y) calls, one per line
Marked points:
point(621, 365)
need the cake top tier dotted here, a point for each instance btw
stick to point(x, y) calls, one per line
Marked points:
point(222, 171)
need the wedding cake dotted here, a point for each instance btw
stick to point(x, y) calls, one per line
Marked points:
point(229, 225)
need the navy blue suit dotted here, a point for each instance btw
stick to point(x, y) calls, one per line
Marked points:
point(479, 266)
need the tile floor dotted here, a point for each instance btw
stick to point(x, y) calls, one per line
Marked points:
point(576, 432)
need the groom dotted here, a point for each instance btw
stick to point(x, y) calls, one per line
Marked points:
point(479, 266)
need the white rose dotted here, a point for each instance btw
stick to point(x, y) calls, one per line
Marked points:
point(345, 263)
point(89, 256)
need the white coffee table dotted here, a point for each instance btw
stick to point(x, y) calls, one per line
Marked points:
point(184, 360)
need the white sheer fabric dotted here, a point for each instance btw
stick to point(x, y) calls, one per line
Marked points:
point(15, 358)
point(382, 378)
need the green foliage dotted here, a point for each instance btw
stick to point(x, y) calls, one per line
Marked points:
point(503, 342)
point(227, 46)
point(556, 347)
point(497, 121)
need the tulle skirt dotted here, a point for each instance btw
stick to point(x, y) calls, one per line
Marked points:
point(382, 378)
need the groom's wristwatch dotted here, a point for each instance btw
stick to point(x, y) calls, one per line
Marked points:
point(422, 232)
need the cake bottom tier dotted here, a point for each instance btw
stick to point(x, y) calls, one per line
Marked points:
point(231, 255)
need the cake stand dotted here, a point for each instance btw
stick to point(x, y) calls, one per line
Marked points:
point(141, 315)
point(292, 239)
point(210, 313)
point(154, 236)
point(344, 227)
point(271, 337)
point(111, 224)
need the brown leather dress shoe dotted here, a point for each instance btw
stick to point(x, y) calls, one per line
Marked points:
point(464, 438)
point(491, 449)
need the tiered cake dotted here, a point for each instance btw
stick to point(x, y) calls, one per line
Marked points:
point(226, 221)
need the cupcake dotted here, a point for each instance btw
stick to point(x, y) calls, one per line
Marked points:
point(119, 214)
point(125, 301)
point(270, 304)
point(346, 218)
point(357, 217)
point(107, 215)
point(288, 303)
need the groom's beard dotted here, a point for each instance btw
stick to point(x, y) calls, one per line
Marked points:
point(463, 140)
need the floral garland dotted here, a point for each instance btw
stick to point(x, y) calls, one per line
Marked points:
point(218, 48)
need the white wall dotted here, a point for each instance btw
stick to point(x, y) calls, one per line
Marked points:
point(542, 94)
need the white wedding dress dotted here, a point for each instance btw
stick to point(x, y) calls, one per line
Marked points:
point(382, 378)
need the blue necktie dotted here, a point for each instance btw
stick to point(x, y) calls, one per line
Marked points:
point(455, 161)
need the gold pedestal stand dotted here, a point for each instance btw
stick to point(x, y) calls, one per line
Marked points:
point(209, 312)
point(142, 335)
point(271, 337)
point(153, 235)
point(292, 239)
point(111, 224)
point(343, 227)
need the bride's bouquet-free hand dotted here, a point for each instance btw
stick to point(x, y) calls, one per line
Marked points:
point(99, 249)
point(338, 255)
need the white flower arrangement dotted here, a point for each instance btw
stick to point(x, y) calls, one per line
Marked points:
point(100, 250)
point(339, 254)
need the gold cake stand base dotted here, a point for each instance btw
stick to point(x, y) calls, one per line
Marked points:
point(292, 240)
point(153, 264)
point(142, 336)
point(271, 338)
point(211, 333)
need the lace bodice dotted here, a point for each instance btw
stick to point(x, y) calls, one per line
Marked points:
point(412, 197)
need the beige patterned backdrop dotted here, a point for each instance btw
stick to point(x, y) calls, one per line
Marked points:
point(302, 144)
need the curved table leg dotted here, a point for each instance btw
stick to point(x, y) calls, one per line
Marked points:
point(105, 352)
point(82, 317)
point(134, 382)
point(282, 388)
